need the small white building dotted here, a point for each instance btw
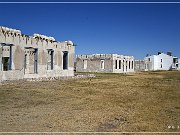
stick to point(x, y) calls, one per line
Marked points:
point(161, 61)
point(178, 68)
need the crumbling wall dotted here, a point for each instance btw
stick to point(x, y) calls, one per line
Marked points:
point(94, 63)
point(18, 59)
point(139, 65)
point(26, 45)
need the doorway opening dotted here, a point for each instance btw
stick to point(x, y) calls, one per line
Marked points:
point(65, 60)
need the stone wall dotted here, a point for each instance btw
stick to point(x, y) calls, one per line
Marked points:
point(104, 63)
point(94, 65)
point(11, 75)
point(139, 65)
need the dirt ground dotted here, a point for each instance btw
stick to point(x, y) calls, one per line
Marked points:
point(141, 102)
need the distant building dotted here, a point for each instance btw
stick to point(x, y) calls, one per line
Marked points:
point(178, 64)
point(139, 65)
point(161, 61)
point(37, 56)
point(107, 63)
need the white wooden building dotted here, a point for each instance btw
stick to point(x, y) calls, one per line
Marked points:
point(161, 61)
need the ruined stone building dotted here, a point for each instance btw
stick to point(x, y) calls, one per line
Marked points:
point(23, 56)
point(139, 65)
point(107, 63)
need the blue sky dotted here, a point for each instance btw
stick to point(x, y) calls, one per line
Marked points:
point(129, 29)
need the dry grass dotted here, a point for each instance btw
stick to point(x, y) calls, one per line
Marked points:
point(147, 101)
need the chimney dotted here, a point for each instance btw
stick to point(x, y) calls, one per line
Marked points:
point(169, 53)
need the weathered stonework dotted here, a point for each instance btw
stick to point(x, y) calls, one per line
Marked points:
point(23, 56)
point(139, 65)
point(107, 63)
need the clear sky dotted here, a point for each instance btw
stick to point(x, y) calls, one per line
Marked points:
point(128, 29)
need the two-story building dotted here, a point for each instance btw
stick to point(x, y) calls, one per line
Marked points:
point(161, 61)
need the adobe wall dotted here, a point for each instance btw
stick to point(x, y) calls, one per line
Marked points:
point(20, 42)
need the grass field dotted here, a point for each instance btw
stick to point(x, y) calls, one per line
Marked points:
point(141, 102)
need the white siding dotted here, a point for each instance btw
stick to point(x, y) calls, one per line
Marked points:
point(166, 62)
point(179, 64)
point(155, 62)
